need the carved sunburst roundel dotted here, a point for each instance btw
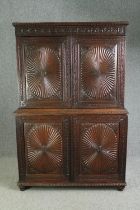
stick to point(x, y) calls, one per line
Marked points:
point(98, 68)
point(44, 148)
point(99, 148)
point(43, 72)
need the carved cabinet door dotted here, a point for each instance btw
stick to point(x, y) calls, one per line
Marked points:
point(98, 71)
point(43, 148)
point(99, 148)
point(43, 69)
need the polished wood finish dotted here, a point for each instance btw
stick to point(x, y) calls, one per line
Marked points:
point(71, 122)
point(24, 112)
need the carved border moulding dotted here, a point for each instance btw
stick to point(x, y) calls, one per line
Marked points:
point(41, 29)
point(76, 184)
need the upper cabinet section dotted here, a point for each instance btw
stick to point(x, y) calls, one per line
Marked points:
point(68, 65)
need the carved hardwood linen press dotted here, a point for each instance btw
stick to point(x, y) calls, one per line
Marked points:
point(71, 122)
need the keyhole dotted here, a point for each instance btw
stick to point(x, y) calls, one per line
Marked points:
point(44, 148)
point(95, 72)
point(99, 149)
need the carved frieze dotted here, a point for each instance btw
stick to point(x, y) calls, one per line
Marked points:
point(70, 28)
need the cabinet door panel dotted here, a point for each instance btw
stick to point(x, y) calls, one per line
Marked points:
point(45, 145)
point(98, 72)
point(43, 71)
point(99, 147)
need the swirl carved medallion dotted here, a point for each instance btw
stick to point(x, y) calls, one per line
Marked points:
point(43, 69)
point(44, 148)
point(99, 149)
point(98, 70)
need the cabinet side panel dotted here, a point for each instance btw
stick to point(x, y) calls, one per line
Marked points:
point(20, 148)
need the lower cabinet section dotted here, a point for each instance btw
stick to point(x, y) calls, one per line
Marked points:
point(76, 150)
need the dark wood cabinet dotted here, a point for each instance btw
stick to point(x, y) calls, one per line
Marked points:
point(71, 121)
